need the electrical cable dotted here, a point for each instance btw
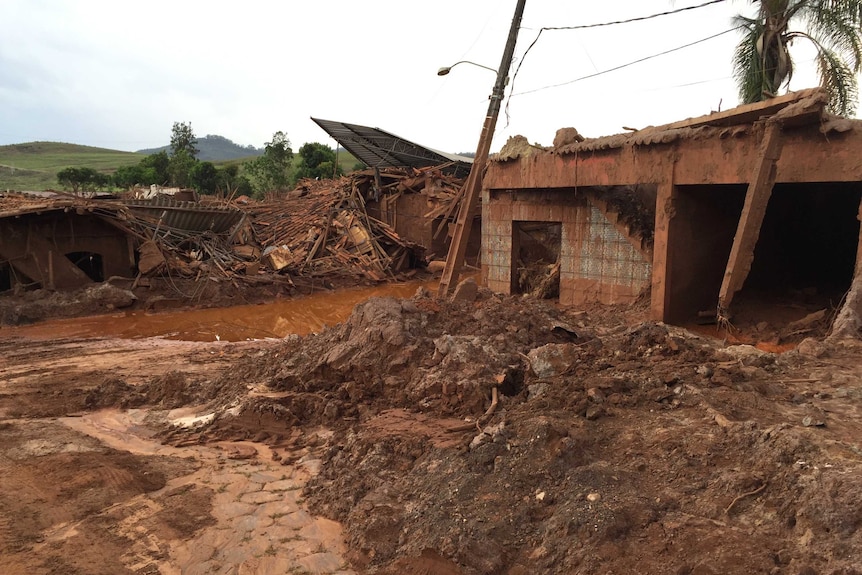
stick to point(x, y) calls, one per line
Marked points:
point(599, 25)
point(627, 64)
point(629, 20)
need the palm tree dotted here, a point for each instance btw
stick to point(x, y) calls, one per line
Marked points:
point(762, 63)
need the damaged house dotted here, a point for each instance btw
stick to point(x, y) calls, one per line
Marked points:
point(62, 243)
point(753, 206)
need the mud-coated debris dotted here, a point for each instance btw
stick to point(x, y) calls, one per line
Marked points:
point(490, 433)
point(596, 395)
point(750, 355)
point(809, 421)
point(436, 266)
point(240, 452)
point(110, 296)
point(330, 411)
point(594, 412)
point(811, 347)
point(552, 359)
point(536, 390)
point(566, 136)
point(466, 291)
point(704, 370)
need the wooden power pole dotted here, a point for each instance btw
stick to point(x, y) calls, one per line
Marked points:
point(473, 186)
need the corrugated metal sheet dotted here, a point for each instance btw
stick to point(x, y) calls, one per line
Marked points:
point(379, 149)
point(187, 216)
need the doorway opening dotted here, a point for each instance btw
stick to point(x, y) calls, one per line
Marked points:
point(536, 248)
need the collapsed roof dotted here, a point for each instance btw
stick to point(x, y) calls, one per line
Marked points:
point(379, 149)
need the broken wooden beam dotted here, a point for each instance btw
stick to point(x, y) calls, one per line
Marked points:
point(750, 220)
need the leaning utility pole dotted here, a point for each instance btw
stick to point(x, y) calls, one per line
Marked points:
point(473, 186)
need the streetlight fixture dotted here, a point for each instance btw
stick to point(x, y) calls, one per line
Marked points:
point(469, 194)
point(446, 69)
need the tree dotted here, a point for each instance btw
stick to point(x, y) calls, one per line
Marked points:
point(762, 62)
point(204, 177)
point(232, 183)
point(153, 169)
point(81, 179)
point(159, 163)
point(183, 139)
point(270, 171)
point(183, 152)
point(316, 161)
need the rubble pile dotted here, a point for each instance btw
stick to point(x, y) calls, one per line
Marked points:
point(504, 435)
point(323, 228)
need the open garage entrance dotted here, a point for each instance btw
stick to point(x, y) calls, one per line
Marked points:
point(803, 260)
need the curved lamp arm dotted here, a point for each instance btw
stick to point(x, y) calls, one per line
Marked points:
point(446, 69)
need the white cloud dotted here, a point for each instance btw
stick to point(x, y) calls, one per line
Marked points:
point(118, 74)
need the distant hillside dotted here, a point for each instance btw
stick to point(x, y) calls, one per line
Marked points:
point(215, 149)
point(34, 165)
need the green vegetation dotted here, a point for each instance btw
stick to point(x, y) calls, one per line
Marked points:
point(762, 63)
point(317, 161)
point(34, 165)
point(38, 165)
point(271, 171)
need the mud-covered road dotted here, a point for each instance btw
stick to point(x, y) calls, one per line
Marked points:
point(614, 445)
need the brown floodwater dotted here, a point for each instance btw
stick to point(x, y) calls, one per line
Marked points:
point(237, 323)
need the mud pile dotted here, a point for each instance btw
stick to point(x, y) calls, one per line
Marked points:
point(611, 447)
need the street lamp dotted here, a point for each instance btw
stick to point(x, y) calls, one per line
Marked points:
point(446, 69)
point(469, 194)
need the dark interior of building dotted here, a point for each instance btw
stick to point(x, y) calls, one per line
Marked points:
point(804, 258)
point(536, 257)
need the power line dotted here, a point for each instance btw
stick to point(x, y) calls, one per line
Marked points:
point(629, 20)
point(599, 25)
point(627, 64)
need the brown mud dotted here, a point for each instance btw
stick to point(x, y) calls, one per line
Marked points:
point(616, 445)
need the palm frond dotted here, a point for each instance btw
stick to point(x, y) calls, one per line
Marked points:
point(836, 24)
point(747, 63)
point(839, 81)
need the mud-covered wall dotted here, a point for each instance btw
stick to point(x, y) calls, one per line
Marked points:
point(407, 215)
point(36, 246)
point(597, 264)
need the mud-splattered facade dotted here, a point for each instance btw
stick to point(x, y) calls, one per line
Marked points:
point(703, 185)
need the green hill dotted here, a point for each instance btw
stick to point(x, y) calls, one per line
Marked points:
point(34, 165)
point(215, 149)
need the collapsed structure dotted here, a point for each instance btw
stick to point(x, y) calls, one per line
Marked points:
point(758, 204)
point(682, 209)
point(363, 226)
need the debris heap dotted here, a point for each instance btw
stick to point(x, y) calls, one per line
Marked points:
point(323, 228)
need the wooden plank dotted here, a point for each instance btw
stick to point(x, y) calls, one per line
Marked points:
point(748, 231)
point(747, 113)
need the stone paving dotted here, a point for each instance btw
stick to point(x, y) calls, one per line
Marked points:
point(261, 524)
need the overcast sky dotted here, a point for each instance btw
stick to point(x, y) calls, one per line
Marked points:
point(117, 74)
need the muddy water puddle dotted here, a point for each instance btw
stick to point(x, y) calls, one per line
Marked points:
point(237, 323)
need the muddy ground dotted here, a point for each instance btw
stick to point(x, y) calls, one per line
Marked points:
point(616, 445)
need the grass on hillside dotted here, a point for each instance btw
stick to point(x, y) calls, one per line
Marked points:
point(34, 165)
